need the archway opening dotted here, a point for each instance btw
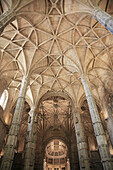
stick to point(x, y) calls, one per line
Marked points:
point(56, 156)
point(55, 122)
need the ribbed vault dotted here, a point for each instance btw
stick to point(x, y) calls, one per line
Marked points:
point(55, 46)
point(54, 43)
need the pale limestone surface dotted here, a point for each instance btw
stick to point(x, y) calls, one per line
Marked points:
point(54, 44)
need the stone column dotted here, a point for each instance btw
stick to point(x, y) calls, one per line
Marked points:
point(68, 164)
point(30, 147)
point(98, 128)
point(45, 164)
point(14, 129)
point(104, 18)
point(6, 18)
point(109, 124)
point(81, 142)
point(109, 121)
point(106, 110)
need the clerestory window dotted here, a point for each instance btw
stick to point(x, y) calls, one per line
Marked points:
point(4, 99)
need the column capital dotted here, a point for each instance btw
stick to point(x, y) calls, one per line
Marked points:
point(32, 108)
point(25, 77)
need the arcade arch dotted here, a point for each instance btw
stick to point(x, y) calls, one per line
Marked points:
point(56, 156)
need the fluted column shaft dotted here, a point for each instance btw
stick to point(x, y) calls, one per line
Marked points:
point(6, 18)
point(82, 145)
point(104, 18)
point(14, 129)
point(30, 147)
point(97, 125)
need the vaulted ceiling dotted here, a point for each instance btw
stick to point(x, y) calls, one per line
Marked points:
point(55, 42)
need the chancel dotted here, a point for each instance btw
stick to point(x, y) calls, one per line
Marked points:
point(56, 85)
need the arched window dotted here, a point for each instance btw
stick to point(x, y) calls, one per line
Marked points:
point(4, 99)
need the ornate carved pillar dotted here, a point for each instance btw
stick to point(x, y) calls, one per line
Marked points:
point(106, 110)
point(81, 142)
point(14, 129)
point(98, 128)
point(109, 124)
point(30, 147)
point(6, 18)
point(104, 18)
point(100, 15)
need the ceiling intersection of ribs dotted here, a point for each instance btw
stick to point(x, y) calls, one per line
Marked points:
point(55, 47)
